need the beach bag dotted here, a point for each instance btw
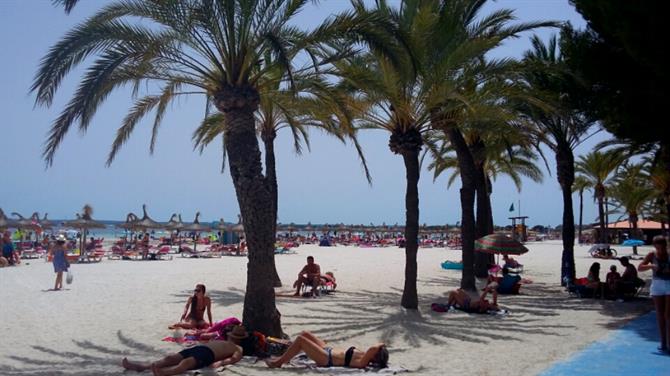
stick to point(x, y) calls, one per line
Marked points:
point(69, 277)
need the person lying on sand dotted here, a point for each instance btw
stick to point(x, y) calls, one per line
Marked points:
point(194, 312)
point(213, 354)
point(460, 299)
point(310, 275)
point(326, 356)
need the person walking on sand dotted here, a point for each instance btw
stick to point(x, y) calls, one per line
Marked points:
point(59, 261)
point(213, 354)
point(194, 312)
point(659, 263)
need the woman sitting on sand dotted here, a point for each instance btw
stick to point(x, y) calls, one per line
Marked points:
point(194, 312)
point(326, 356)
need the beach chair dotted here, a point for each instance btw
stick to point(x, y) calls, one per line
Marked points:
point(163, 253)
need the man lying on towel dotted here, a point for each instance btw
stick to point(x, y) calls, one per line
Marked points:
point(213, 354)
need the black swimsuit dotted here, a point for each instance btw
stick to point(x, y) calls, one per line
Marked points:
point(348, 355)
point(203, 355)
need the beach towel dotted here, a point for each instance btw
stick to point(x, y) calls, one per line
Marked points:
point(304, 362)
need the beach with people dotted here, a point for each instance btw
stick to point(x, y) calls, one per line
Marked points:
point(121, 308)
point(406, 186)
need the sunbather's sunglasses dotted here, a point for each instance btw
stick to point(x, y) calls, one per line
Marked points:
point(197, 290)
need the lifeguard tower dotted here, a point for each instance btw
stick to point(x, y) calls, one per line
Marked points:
point(519, 230)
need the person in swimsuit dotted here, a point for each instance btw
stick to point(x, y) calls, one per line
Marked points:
point(212, 354)
point(194, 312)
point(310, 274)
point(326, 356)
point(659, 263)
point(59, 261)
point(461, 299)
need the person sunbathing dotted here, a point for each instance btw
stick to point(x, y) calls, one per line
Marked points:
point(326, 356)
point(310, 274)
point(329, 277)
point(194, 312)
point(213, 354)
point(460, 299)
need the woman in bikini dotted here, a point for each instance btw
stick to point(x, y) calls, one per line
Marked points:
point(462, 300)
point(194, 312)
point(326, 356)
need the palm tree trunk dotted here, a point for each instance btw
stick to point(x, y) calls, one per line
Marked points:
point(238, 105)
point(410, 298)
point(268, 138)
point(633, 220)
point(482, 260)
point(565, 166)
point(601, 216)
point(468, 172)
point(581, 212)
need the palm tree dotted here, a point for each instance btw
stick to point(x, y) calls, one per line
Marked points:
point(581, 184)
point(462, 89)
point(199, 47)
point(387, 98)
point(631, 192)
point(494, 155)
point(597, 167)
point(558, 127)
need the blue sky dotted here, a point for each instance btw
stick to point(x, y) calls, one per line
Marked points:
point(324, 185)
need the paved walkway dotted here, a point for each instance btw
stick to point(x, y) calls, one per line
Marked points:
point(630, 350)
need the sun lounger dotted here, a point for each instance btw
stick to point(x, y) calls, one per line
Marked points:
point(33, 253)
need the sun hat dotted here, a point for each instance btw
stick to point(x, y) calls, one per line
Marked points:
point(61, 238)
point(239, 332)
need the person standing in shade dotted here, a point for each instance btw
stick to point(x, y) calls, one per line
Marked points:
point(659, 263)
point(59, 261)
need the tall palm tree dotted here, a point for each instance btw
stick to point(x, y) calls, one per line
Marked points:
point(581, 184)
point(597, 167)
point(387, 98)
point(631, 192)
point(494, 156)
point(200, 47)
point(558, 127)
point(453, 71)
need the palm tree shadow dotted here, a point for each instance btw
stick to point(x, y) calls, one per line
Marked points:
point(93, 359)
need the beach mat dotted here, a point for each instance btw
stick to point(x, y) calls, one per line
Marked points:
point(304, 362)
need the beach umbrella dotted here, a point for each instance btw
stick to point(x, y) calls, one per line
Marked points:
point(499, 243)
point(5, 222)
point(343, 228)
point(197, 227)
point(146, 223)
point(44, 223)
point(84, 222)
point(238, 228)
point(309, 227)
point(632, 243)
point(325, 229)
point(175, 223)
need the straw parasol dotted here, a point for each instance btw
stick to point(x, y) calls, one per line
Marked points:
point(84, 222)
point(325, 229)
point(343, 228)
point(5, 222)
point(309, 227)
point(44, 223)
point(239, 227)
point(500, 244)
point(175, 223)
point(196, 226)
point(146, 223)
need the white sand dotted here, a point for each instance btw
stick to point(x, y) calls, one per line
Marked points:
point(122, 308)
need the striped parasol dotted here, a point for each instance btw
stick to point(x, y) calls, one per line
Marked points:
point(499, 243)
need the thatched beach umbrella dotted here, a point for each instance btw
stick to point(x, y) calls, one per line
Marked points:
point(343, 228)
point(309, 227)
point(5, 222)
point(175, 223)
point(197, 227)
point(325, 229)
point(44, 223)
point(84, 222)
point(146, 223)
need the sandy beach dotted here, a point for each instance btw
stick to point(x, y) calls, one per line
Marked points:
point(122, 308)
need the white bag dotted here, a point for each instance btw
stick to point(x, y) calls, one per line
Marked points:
point(69, 277)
